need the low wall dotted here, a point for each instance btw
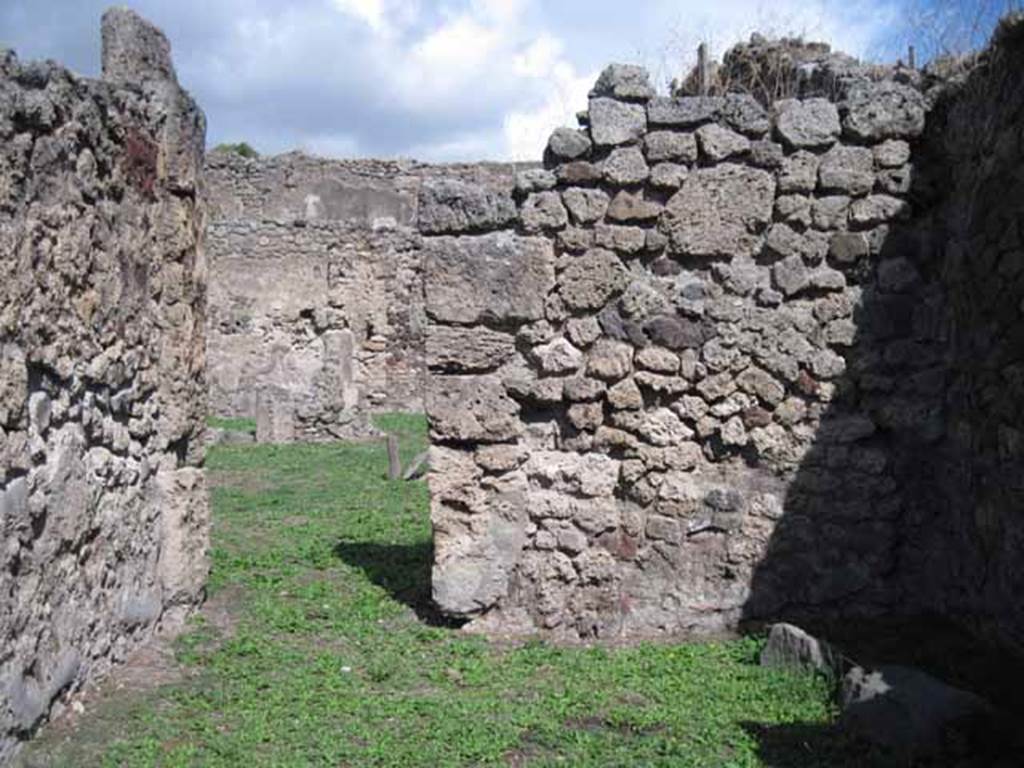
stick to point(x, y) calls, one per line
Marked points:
point(103, 508)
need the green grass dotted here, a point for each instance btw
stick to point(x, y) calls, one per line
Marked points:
point(323, 564)
point(231, 424)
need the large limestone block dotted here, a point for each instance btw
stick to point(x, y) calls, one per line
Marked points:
point(496, 278)
point(460, 349)
point(479, 532)
point(720, 211)
point(452, 206)
point(471, 408)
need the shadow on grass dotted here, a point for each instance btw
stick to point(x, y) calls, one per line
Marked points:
point(401, 569)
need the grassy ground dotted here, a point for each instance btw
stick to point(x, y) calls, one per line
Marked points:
point(316, 655)
point(232, 425)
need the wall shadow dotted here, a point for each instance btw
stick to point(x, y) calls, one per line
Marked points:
point(902, 535)
point(403, 570)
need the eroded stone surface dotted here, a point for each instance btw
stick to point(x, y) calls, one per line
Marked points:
point(103, 509)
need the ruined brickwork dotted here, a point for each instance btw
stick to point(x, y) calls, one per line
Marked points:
point(737, 362)
point(316, 309)
point(103, 513)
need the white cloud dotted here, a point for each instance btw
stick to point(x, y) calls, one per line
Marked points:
point(369, 11)
point(463, 79)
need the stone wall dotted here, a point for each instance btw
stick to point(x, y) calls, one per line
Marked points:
point(969, 503)
point(316, 309)
point(102, 393)
point(736, 363)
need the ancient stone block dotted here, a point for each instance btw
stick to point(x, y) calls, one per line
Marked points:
point(670, 145)
point(847, 169)
point(719, 211)
point(585, 205)
point(614, 122)
point(543, 211)
point(569, 144)
point(883, 110)
point(496, 278)
point(718, 143)
point(807, 124)
point(626, 165)
point(627, 82)
point(684, 111)
point(591, 279)
point(452, 206)
point(471, 408)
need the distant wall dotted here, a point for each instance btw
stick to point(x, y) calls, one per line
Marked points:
point(103, 514)
point(316, 303)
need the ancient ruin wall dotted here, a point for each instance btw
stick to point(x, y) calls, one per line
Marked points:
point(316, 309)
point(965, 532)
point(692, 382)
point(103, 509)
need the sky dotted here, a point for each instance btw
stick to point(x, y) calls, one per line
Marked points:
point(436, 80)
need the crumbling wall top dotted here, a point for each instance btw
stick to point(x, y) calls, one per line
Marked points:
point(134, 50)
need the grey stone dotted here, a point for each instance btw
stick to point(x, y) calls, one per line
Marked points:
point(451, 206)
point(878, 209)
point(789, 647)
point(471, 408)
point(558, 356)
point(569, 144)
point(745, 114)
point(766, 154)
point(718, 143)
point(671, 145)
point(847, 169)
point(498, 278)
point(799, 172)
point(675, 332)
point(585, 205)
point(591, 279)
point(614, 122)
point(535, 180)
point(719, 211)
point(628, 82)
point(891, 153)
point(543, 211)
point(626, 165)
point(134, 51)
point(683, 111)
point(668, 175)
point(623, 239)
point(808, 124)
point(627, 207)
point(874, 111)
point(579, 172)
point(790, 275)
point(831, 212)
point(463, 350)
point(903, 708)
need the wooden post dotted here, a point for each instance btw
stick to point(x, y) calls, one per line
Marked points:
point(912, 58)
point(703, 79)
point(394, 463)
